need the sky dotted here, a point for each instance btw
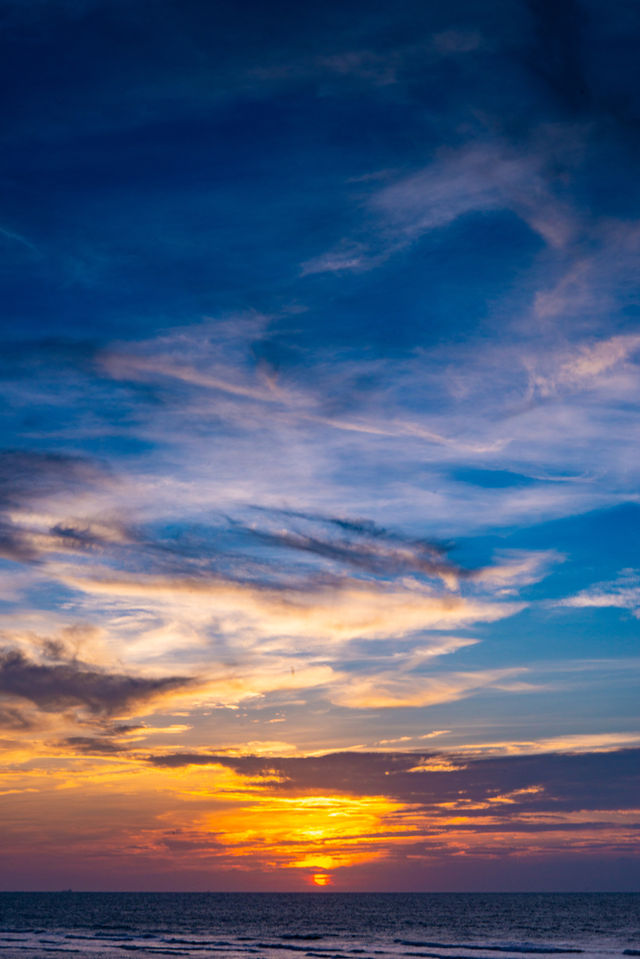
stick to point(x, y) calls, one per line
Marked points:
point(319, 472)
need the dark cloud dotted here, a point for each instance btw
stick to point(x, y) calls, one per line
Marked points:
point(361, 544)
point(92, 745)
point(227, 553)
point(15, 545)
point(29, 474)
point(13, 718)
point(60, 686)
point(121, 729)
point(558, 782)
point(77, 537)
point(176, 843)
point(20, 545)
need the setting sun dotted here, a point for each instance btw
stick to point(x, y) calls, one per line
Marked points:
point(321, 879)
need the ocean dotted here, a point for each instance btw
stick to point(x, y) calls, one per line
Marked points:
point(321, 925)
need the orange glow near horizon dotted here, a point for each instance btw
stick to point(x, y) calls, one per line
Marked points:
point(309, 832)
point(197, 821)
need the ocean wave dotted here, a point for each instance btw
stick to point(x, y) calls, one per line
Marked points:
point(302, 935)
point(520, 947)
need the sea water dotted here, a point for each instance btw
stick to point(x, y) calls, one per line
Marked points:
point(320, 925)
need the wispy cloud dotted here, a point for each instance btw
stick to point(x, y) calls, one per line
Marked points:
point(482, 177)
point(15, 237)
point(569, 743)
point(393, 690)
point(359, 544)
point(621, 593)
point(511, 570)
point(353, 256)
point(520, 405)
point(587, 363)
point(479, 178)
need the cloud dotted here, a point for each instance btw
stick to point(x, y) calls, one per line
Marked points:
point(598, 358)
point(30, 479)
point(551, 782)
point(92, 746)
point(18, 238)
point(479, 178)
point(476, 178)
point(15, 545)
point(392, 690)
point(249, 626)
point(621, 593)
point(581, 367)
point(248, 396)
point(513, 569)
point(11, 717)
point(32, 537)
point(30, 474)
point(335, 613)
point(351, 257)
point(130, 366)
point(573, 742)
point(55, 687)
point(534, 406)
point(360, 544)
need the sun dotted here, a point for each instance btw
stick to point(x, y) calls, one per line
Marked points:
point(321, 879)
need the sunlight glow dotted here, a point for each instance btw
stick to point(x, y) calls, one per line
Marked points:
point(309, 832)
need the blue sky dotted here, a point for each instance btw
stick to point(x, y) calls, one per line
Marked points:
point(320, 374)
